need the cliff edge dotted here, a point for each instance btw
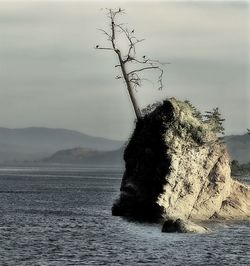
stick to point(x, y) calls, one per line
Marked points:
point(176, 167)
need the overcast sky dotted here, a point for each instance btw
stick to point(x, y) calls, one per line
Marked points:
point(51, 75)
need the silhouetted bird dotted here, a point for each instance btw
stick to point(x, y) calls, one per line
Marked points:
point(97, 46)
point(144, 56)
point(132, 31)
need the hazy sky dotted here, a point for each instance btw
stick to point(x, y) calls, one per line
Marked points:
point(51, 75)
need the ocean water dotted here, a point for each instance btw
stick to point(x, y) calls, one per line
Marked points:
point(58, 215)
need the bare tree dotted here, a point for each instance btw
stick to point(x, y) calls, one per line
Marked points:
point(131, 66)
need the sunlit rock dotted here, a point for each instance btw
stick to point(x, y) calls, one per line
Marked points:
point(176, 167)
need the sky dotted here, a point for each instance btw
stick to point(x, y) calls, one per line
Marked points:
point(51, 75)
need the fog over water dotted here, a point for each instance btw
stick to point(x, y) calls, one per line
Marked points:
point(51, 75)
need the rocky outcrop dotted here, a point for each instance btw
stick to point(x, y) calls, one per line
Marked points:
point(176, 167)
point(182, 226)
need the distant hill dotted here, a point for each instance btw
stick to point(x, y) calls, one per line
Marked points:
point(35, 143)
point(239, 147)
point(87, 157)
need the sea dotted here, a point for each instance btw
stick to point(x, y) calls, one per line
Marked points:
point(61, 215)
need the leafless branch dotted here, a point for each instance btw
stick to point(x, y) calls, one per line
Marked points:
point(142, 69)
point(131, 78)
point(104, 48)
point(106, 33)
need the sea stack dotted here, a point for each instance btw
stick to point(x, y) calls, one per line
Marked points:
point(177, 168)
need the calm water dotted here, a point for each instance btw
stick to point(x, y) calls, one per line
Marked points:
point(61, 216)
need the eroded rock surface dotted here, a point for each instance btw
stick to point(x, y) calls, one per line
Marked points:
point(176, 167)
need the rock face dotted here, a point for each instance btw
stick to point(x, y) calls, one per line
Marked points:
point(176, 167)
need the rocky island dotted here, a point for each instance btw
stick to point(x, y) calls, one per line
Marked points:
point(177, 170)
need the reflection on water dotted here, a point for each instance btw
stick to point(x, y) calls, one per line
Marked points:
point(61, 216)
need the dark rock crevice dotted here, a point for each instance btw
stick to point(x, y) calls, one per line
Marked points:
point(146, 165)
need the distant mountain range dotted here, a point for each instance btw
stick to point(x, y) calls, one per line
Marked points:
point(68, 146)
point(35, 143)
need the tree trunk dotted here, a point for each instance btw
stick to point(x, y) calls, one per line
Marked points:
point(130, 90)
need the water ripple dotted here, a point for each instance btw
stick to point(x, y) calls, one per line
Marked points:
point(62, 221)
